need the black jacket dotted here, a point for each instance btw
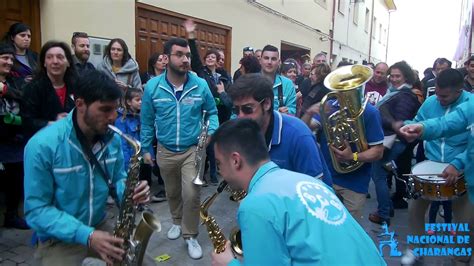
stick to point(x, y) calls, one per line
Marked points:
point(314, 95)
point(41, 104)
point(223, 102)
point(21, 70)
point(402, 106)
point(10, 104)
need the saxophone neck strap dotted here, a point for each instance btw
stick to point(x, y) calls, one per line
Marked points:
point(92, 158)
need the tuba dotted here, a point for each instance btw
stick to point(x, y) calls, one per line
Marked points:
point(215, 233)
point(347, 85)
point(200, 153)
point(135, 243)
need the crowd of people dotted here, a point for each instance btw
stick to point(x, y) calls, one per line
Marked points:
point(266, 136)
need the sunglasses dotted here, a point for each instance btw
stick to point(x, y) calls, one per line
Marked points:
point(246, 109)
point(248, 49)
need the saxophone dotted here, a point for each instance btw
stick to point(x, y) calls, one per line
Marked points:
point(200, 153)
point(347, 85)
point(134, 244)
point(215, 233)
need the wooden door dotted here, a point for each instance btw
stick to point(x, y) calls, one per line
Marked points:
point(25, 11)
point(154, 26)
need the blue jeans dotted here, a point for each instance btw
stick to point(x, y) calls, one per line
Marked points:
point(379, 176)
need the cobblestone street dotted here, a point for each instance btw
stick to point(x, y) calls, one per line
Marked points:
point(15, 247)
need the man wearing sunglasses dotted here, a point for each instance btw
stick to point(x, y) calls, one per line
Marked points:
point(290, 142)
point(174, 102)
point(283, 88)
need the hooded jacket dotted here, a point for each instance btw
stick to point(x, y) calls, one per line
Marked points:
point(128, 74)
point(65, 195)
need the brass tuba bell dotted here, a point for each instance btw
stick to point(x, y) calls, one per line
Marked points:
point(347, 86)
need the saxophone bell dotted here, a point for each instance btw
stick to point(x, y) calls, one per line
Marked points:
point(135, 237)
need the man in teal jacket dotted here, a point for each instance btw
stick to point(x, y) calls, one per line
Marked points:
point(452, 150)
point(459, 121)
point(174, 103)
point(65, 192)
point(287, 218)
point(283, 88)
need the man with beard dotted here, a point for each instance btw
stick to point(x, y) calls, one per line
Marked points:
point(71, 167)
point(175, 102)
point(290, 142)
point(80, 45)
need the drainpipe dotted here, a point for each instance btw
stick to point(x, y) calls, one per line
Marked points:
point(331, 34)
point(371, 31)
point(388, 35)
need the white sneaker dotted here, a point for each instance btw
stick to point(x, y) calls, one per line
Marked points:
point(174, 232)
point(194, 249)
point(409, 258)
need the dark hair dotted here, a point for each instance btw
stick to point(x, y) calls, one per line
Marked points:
point(14, 30)
point(96, 86)
point(253, 85)
point(174, 41)
point(286, 66)
point(251, 64)
point(468, 61)
point(76, 35)
point(129, 95)
point(126, 54)
point(269, 48)
point(243, 136)
point(151, 63)
point(71, 74)
point(344, 63)
point(406, 70)
point(442, 61)
point(6, 48)
point(214, 52)
point(450, 78)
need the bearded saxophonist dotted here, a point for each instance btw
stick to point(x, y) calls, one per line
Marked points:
point(287, 218)
point(71, 167)
point(175, 102)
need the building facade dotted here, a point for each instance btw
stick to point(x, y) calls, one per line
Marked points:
point(300, 28)
point(361, 30)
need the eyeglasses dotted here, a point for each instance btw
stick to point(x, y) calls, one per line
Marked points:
point(247, 109)
point(181, 55)
point(290, 64)
point(248, 49)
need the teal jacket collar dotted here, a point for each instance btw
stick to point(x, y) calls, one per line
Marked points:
point(190, 84)
point(262, 171)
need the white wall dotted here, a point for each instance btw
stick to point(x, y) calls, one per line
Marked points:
point(352, 41)
point(101, 18)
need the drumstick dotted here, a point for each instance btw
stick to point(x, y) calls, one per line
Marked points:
point(422, 174)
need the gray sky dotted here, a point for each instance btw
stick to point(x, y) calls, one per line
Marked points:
point(422, 30)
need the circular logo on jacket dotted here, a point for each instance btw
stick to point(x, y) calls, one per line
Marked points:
point(321, 202)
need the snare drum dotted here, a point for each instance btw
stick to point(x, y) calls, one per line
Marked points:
point(434, 187)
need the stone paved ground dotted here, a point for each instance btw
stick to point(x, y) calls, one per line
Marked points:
point(15, 248)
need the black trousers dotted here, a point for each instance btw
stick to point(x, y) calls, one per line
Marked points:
point(11, 179)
